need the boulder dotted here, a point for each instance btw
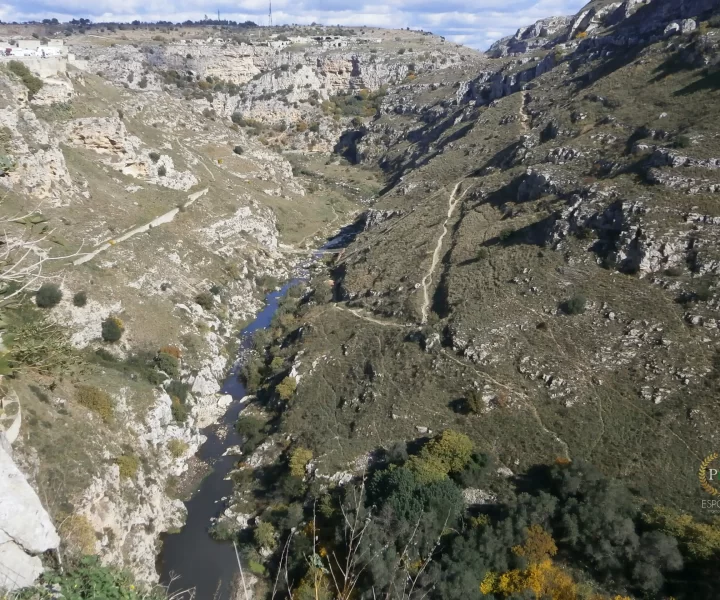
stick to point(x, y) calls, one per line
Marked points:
point(25, 527)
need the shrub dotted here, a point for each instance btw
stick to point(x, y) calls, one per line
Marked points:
point(77, 532)
point(177, 447)
point(172, 351)
point(674, 271)
point(357, 122)
point(286, 388)
point(301, 127)
point(581, 35)
point(112, 329)
point(575, 305)
point(154, 156)
point(162, 171)
point(237, 118)
point(167, 364)
point(448, 452)
point(683, 141)
point(474, 402)
point(238, 150)
point(506, 234)
point(48, 295)
point(252, 430)
point(87, 578)
point(483, 254)
point(143, 83)
point(299, 459)
point(401, 51)
point(206, 300)
point(128, 464)
point(80, 299)
point(178, 389)
point(32, 83)
point(264, 535)
point(96, 400)
point(179, 410)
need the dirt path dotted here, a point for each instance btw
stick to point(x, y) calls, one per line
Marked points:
point(364, 317)
point(524, 118)
point(427, 280)
point(168, 217)
point(518, 393)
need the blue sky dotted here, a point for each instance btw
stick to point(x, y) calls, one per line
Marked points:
point(476, 23)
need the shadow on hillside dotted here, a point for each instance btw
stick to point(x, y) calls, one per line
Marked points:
point(709, 81)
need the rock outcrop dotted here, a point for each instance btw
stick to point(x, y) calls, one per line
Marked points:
point(26, 529)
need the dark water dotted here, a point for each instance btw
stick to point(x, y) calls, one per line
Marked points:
point(198, 561)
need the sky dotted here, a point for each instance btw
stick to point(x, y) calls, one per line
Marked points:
point(475, 23)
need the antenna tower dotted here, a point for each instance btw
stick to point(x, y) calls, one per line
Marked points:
point(270, 14)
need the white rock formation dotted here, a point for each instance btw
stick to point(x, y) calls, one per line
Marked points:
point(25, 527)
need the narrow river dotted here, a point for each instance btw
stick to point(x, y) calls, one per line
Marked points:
point(191, 559)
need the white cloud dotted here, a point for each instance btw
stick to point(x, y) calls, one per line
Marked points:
point(473, 22)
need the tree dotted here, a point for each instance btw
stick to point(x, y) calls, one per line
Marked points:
point(299, 458)
point(451, 449)
point(286, 388)
point(264, 535)
point(538, 546)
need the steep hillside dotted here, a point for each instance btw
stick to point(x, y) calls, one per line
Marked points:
point(163, 187)
point(501, 383)
point(539, 274)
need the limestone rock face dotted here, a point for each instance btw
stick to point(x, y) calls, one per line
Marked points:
point(25, 527)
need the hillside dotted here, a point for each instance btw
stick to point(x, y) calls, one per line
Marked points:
point(502, 384)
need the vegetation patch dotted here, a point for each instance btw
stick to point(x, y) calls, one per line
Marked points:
point(96, 400)
point(31, 82)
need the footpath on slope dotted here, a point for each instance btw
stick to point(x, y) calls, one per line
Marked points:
point(427, 280)
point(168, 217)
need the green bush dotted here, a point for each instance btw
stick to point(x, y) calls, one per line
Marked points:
point(32, 83)
point(112, 329)
point(96, 400)
point(154, 156)
point(506, 234)
point(298, 460)
point(205, 299)
point(129, 465)
point(143, 83)
point(683, 141)
point(238, 150)
point(87, 578)
point(48, 295)
point(179, 410)
point(252, 430)
point(162, 171)
point(575, 305)
point(167, 364)
point(80, 299)
point(286, 388)
point(264, 535)
point(178, 389)
point(177, 447)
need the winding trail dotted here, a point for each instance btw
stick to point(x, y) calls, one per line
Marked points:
point(360, 315)
point(526, 401)
point(168, 217)
point(524, 118)
point(427, 280)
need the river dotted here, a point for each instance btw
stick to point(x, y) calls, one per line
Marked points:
point(192, 556)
